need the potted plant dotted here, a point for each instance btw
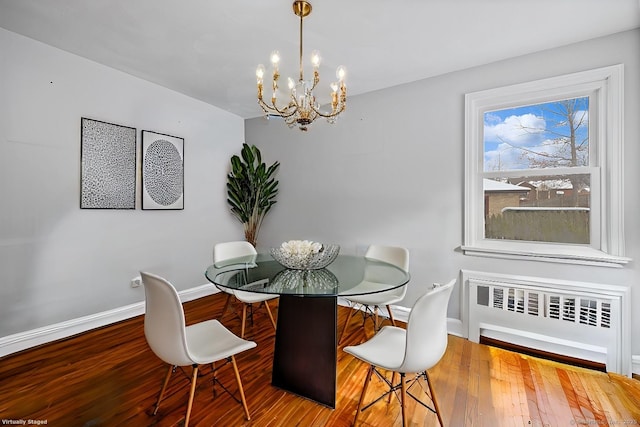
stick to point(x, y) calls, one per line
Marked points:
point(251, 189)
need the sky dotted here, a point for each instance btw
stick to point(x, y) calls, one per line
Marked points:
point(534, 136)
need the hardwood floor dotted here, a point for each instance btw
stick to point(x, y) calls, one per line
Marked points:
point(109, 377)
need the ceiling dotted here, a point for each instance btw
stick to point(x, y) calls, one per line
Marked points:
point(209, 49)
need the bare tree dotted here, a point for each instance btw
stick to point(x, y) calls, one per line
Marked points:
point(563, 145)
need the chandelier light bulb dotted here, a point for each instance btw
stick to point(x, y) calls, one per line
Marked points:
point(315, 59)
point(291, 83)
point(260, 72)
point(334, 87)
point(341, 72)
point(275, 58)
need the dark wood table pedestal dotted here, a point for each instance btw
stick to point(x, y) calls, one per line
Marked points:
point(305, 355)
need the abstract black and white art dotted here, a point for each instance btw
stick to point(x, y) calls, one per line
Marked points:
point(162, 171)
point(107, 165)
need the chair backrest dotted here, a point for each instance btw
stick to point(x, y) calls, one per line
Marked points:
point(395, 255)
point(427, 329)
point(228, 250)
point(392, 254)
point(164, 324)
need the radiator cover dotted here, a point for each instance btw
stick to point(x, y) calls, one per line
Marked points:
point(588, 321)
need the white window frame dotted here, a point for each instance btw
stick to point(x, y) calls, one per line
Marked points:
point(604, 86)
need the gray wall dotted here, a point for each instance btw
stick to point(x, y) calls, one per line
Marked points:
point(391, 170)
point(58, 262)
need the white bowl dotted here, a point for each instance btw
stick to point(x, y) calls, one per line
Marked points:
point(323, 258)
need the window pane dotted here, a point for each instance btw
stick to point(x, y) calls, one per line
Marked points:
point(554, 134)
point(540, 209)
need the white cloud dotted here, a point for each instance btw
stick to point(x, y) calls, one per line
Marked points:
point(522, 141)
point(492, 118)
point(518, 131)
point(503, 157)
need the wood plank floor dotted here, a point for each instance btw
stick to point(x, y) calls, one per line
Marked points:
point(109, 377)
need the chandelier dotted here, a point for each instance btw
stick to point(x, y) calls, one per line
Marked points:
point(301, 108)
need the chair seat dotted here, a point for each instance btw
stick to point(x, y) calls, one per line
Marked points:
point(210, 341)
point(252, 297)
point(377, 298)
point(386, 349)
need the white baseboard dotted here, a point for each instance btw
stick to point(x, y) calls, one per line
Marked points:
point(635, 364)
point(24, 340)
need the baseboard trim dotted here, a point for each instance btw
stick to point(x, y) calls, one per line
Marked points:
point(543, 354)
point(35, 337)
point(635, 364)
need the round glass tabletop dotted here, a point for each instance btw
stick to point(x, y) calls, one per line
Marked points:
point(348, 275)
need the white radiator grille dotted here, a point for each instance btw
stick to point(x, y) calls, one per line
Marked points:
point(576, 319)
point(583, 310)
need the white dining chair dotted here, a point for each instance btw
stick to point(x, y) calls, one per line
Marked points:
point(180, 345)
point(229, 250)
point(413, 350)
point(369, 304)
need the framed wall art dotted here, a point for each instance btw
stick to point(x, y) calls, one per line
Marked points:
point(162, 171)
point(107, 165)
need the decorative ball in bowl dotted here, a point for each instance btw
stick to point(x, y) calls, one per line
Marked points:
point(305, 255)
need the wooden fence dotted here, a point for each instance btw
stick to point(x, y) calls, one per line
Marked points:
point(540, 225)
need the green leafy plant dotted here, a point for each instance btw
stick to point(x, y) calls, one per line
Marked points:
point(251, 189)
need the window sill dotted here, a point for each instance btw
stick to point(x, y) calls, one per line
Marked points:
point(564, 254)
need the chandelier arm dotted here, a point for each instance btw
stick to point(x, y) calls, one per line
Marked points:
point(329, 115)
point(282, 112)
point(286, 115)
point(342, 104)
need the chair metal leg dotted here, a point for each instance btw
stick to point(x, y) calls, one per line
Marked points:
point(226, 305)
point(364, 391)
point(213, 373)
point(403, 398)
point(393, 380)
point(164, 387)
point(352, 311)
point(273, 322)
point(433, 399)
point(194, 378)
point(244, 401)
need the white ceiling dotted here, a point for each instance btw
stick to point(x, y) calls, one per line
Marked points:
point(209, 49)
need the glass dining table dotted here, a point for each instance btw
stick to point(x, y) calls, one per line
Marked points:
point(305, 351)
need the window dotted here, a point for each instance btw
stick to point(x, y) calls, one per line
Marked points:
point(543, 165)
point(537, 172)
